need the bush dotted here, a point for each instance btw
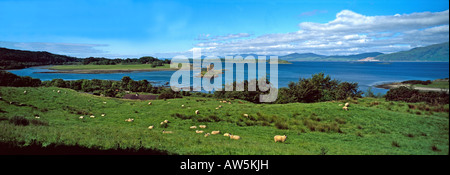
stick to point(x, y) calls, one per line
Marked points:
point(412, 95)
point(19, 120)
point(316, 89)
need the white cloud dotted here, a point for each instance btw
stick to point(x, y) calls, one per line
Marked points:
point(348, 33)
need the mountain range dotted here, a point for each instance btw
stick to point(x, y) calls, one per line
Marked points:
point(435, 52)
point(17, 59)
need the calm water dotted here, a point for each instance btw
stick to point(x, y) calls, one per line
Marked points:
point(365, 74)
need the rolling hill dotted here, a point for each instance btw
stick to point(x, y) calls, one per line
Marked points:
point(18, 59)
point(435, 52)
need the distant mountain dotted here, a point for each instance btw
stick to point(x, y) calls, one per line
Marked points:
point(18, 59)
point(435, 52)
point(316, 57)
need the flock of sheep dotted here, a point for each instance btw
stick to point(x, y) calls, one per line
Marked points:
point(277, 138)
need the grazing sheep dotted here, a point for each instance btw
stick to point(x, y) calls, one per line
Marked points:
point(81, 117)
point(166, 121)
point(220, 106)
point(202, 126)
point(235, 137)
point(103, 115)
point(149, 103)
point(345, 108)
point(150, 127)
point(217, 108)
point(346, 104)
point(207, 134)
point(162, 123)
point(92, 116)
point(215, 132)
point(24, 92)
point(197, 112)
point(36, 116)
point(59, 91)
point(182, 106)
point(279, 138)
point(229, 103)
point(167, 132)
point(340, 104)
point(246, 115)
point(198, 131)
point(104, 102)
point(226, 134)
point(129, 120)
point(193, 127)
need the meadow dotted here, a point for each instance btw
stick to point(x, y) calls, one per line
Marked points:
point(372, 126)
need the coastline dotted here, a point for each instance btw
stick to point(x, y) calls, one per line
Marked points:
point(393, 85)
point(105, 71)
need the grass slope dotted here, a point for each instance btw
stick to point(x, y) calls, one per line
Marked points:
point(371, 126)
point(108, 67)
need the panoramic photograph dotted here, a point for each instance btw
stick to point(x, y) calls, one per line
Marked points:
point(224, 77)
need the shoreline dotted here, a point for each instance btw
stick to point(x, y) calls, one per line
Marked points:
point(393, 85)
point(105, 71)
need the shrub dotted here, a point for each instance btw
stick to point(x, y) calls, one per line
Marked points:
point(19, 120)
point(412, 95)
point(395, 144)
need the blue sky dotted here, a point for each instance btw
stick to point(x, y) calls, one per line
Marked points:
point(167, 28)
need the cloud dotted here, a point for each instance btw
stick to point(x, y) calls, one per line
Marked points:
point(348, 33)
point(73, 49)
point(207, 37)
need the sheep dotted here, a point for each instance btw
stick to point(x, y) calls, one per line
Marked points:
point(182, 106)
point(215, 132)
point(150, 127)
point(229, 103)
point(167, 132)
point(207, 134)
point(24, 92)
point(202, 126)
point(220, 106)
point(81, 117)
point(92, 116)
point(36, 116)
point(104, 102)
point(198, 131)
point(162, 123)
point(340, 104)
point(246, 115)
point(149, 103)
point(193, 127)
point(235, 137)
point(59, 91)
point(166, 121)
point(197, 112)
point(279, 138)
point(129, 120)
point(103, 115)
point(346, 104)
point(345, 108)
point(217, 108)
point(226, 134)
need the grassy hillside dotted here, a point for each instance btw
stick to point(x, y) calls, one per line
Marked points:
point(436, 52)
point(371, 126)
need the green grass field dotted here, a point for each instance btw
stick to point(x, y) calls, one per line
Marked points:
point(109, 67)
point(371, 126)
point(435, 84)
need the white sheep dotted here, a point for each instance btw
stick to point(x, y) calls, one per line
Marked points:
point(167, 132)
point(202, 126)
point(193, 127)
point(197, 112)
point(235, 137)
point(215, 132)
point(150, 127)
point(279, 138)
point(198, 131)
